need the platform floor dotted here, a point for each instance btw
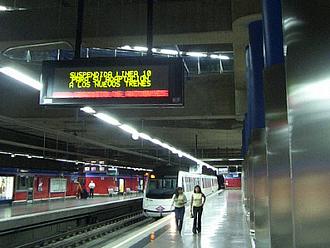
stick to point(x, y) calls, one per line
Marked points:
point(7, 212)
point(223, 225)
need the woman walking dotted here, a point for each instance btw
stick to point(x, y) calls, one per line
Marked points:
point(197, 202)
point(179, 201)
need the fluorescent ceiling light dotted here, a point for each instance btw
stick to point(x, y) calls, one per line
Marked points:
point(196, 54)
point(108, 119)
point(145, 136)
point(126, 47)
point(174, 150)
point(128, 129)
point(168, 52)
point(4, 8)
point(216, 56)
point(11, 72)
point(140, 48)
point(235, 159)
point(166, 146)
point(135, 136)
point(156, 142)
point(88, 110)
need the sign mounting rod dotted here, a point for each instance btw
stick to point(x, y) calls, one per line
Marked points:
point(79, 28)
point(150, 19)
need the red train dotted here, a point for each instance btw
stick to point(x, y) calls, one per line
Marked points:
point(35, 185)
point(233, 180)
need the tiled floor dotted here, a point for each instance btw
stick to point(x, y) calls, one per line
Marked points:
point(223, 226)
point(45, 206)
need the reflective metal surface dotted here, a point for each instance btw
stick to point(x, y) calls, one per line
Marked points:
point(307, 36)
point(277, 145)
point(260, 182)
point(251, 193)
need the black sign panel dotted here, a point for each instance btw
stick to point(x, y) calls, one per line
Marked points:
point(133, 81)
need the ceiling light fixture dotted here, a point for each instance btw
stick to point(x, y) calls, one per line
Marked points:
point(128, 129)
point(157, 142)
point(126, 47)
point(235, 159)
point(19, 76)
point(196, 54)
point(4, 8)
point(216, 56)
point(145, 136)
point(135, 135)
point(108, 119)
point(168, 52)
point(88, 110)
point(140, 48)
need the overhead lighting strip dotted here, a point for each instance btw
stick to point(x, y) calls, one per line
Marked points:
point(13, 155)
point(174, 52)
point(23, 78)
point(136, 135)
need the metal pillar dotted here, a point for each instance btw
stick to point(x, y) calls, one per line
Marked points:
point(277, 135)
point(79, 28)
point(273, 34)
point(150, 26)
point(257, 64)
point(259, 201)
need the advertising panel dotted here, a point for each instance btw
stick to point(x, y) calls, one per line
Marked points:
point(6, 187)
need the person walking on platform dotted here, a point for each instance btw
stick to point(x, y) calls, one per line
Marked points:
point(78, 190)
point(179, 200)
point(197, 202)
point(91, 187)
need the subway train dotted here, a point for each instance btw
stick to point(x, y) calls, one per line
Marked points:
point(159, 190)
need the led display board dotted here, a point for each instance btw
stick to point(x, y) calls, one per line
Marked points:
point(119, 81)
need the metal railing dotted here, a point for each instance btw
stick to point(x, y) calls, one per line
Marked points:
point(194, 65)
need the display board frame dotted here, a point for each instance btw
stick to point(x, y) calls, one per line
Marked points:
point(58, 185)
point(170, 70)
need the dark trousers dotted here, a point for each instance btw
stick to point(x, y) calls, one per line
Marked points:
point(91, 193)
point(197, 212)
point(179, 214)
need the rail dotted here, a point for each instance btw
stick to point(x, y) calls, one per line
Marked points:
point(40, 231)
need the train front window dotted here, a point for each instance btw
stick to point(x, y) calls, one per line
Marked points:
point(161, 188)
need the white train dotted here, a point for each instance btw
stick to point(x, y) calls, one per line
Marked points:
point(159, 190)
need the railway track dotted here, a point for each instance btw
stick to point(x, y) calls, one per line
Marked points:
point(70, 227)
point(82, 236)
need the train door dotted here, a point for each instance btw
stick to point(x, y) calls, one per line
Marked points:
point(25, 183)
point(121, 185)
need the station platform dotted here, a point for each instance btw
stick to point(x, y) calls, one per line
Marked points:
point(42, 207)
point(223, 225)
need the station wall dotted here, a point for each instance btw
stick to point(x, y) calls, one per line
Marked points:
point(37, 186)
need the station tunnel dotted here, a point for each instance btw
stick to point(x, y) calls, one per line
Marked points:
point(112, 109)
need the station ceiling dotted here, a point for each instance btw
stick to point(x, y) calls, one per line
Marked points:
point(208, 126)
